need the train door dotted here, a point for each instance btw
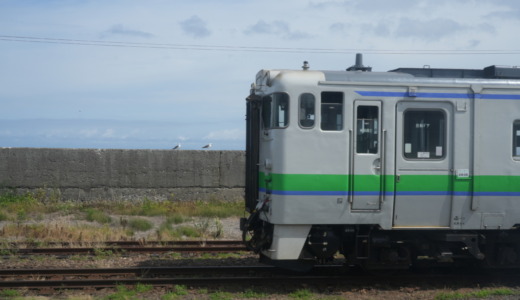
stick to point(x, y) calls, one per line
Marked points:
point(423, 181)
point(366, 164)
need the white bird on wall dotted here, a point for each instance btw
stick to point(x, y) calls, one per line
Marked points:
point(177, 147)
point(207, 146)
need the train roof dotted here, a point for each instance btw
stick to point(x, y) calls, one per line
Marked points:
point(491, 72)
point(492, 75)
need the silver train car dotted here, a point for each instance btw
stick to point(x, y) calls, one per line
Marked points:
point(388, 169)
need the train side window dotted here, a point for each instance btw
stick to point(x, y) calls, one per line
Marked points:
point(280, 110)
point(332, 111)
point(266, 112)
point(275, 111)
point(424, 134)
point(307, 110)
point(516, 139)
point(367, 129)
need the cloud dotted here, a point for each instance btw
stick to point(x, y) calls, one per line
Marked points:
point(195, 27)
point(124, 31)
point(505, 14)
point(341, 28)
point(430, 30)
point(110, 133)
point(369, 6)
point(505, 9)
point(277, 28)
point(381, 28)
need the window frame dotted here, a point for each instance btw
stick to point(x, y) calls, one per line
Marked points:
point(445, 135)
point(341, 110)
point(375, 131)
point(515, 144)
point(271, 102)
point(267, 102)
point(300, 110)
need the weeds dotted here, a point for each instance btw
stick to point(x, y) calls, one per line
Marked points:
point(176, 218)
point(221, 296)
point(484, 293)
point(102, 253)
point(252, 294)
point(143, 288)
point(95, 215)
point(139, 224)
point(185, 231)
point(125, 293)
point(122, 293)
point(9, 293)
point(301, 294)
point(216, 209)
point(177, 292)
point(61, 232)
point(92, 221)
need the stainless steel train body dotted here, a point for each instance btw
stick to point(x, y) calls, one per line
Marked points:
point(387, 168)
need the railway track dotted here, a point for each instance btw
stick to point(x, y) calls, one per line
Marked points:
point(157, 276)
point(232, 275)
point(125, 247)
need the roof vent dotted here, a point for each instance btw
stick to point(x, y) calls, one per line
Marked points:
point(305, 66)
point(359, 64)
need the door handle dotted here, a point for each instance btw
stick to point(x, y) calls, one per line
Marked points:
point(397, 178)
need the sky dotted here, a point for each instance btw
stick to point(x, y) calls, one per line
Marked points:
point(129, 74)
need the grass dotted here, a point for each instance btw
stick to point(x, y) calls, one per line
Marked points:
point(28, 212)
point(125, 293)
point(37, 202)
point(61, 232)
point(221, 296)
point(139, 224)
point(9, 293)
point(484, 293)
point(96, 215)
point(216, 209)
point(177, 292)
point(301, 294)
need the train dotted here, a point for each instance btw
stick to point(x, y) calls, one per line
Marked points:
point(385, 170)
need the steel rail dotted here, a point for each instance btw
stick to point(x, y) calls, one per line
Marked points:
point(105, 283)
point(138, 271)
point(137, 243)
point(133, 247)
point(247, 275)
point(110, 277)
point(218, 275)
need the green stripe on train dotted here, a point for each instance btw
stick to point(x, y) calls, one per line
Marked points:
point(497, 183)
point(418, 183)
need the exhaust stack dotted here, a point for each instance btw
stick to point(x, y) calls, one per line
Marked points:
point(359, 64)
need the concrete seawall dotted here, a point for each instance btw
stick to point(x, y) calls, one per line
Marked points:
point(113, 174)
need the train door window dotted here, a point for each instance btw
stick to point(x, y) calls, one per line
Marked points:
point(280, 110)
point(307, 110)
point(424, 134)
point(516, 139)
point(367, 129)
point(266, 112)
point(332, 111)
point(275, 111)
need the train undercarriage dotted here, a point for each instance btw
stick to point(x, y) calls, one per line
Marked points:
point(372, 248)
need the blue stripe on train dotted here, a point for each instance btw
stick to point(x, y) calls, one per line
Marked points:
point(440, 95)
